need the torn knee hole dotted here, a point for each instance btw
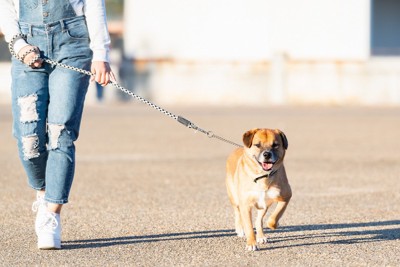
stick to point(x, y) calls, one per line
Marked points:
point(28, 110)
point(30, 147)
point(54, 135)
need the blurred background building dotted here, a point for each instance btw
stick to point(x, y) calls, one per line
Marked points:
point(257, 52)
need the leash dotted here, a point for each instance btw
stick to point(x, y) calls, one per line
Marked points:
point(179, 119)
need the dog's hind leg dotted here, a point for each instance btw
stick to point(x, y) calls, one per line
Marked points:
point(238, 222)
point(232, 194)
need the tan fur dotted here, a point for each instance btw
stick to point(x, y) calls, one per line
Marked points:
point(242, 168)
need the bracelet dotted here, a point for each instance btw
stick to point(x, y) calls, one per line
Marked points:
point(21, 58)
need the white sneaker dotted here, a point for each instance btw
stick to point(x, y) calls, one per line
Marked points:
point(49, 231)
point(40, 207)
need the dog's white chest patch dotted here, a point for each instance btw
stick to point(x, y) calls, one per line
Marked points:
point(273, 192)
point(259, 197)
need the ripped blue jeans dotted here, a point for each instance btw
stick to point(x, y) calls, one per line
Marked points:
point(47, 105)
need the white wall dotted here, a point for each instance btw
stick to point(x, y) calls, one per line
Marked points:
point(248, 29)
point(321, 29)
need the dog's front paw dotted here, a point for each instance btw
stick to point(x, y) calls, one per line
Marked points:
point(262, 240)
point(251, 244)
point(253, 247)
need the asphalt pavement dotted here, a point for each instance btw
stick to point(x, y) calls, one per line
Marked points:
point(150, 192)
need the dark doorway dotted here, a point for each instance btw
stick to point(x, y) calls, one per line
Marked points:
point(385, 27)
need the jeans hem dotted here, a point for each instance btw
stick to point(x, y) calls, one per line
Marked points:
point(55, 201)
point(37, 188)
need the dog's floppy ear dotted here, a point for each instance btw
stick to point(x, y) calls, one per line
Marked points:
point(248, 137)
point(284, 139)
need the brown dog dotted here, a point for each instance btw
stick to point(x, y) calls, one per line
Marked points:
point(256, 178)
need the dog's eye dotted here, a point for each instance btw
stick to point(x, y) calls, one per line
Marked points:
point(275, 146)
point(257, 145)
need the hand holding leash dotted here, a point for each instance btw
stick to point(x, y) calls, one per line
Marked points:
point(30, 55)
point(102, 73)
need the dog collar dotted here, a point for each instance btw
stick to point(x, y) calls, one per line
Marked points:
point(264, 176)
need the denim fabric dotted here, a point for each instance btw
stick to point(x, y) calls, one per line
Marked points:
point(45, 11)
point(48, 102)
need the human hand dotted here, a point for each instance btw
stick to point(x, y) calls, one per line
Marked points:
point(30, 55)
point(102, 72)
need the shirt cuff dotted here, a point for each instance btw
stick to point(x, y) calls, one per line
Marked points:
point(19, 44)
point(101, 55)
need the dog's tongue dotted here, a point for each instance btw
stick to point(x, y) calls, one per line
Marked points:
point(267, 166)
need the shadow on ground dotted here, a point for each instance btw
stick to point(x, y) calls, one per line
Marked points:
point(350, 233)
point(304, 235)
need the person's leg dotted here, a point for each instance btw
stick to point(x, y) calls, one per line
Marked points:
point(65, 113)
point(67, 90)
point(29, 106)
point(64, 117)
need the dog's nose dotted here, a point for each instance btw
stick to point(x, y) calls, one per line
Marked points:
point(267, 154)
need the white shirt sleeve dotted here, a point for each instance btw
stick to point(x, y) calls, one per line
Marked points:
point(96, 18)
point(9, 23)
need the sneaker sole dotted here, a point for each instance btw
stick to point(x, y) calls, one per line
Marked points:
point(49, 244)
point(49, 248)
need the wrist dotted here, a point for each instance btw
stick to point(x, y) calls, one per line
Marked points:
point(19, 44)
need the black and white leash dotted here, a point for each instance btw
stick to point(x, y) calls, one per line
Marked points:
point(180, 119)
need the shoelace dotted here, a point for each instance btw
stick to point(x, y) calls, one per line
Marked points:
point(39, 202)
point(50, 223)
